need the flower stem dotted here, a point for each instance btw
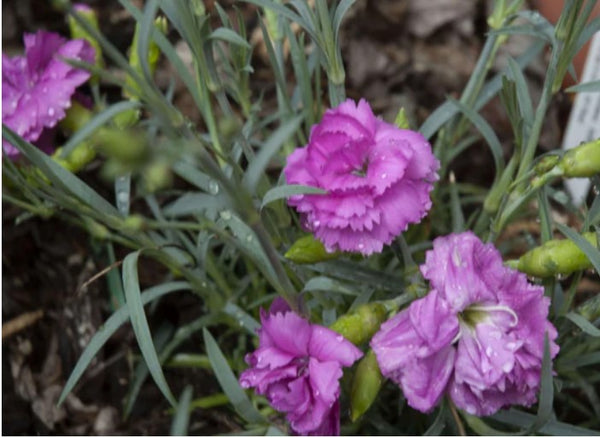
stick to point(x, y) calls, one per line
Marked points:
point(457, 420)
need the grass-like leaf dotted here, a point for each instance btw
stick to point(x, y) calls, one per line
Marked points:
point(229, 382)
point(593, 254)
point(111, 325)
point(228, 35)
point(267, 151)
point(96, 122)
point(583, 324)
point(179, 427)
point(546, 390)
point(286, 191)
point(486, 131)
point(439, 424)
point(552, 427)
point(140, 324)
point(60, 176)
point(243, 318)
point(448, 110)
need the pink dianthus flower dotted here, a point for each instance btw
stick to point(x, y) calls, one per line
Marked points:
point(297, 367)
point(377, 177)
point(478, 336)
point(37, 87)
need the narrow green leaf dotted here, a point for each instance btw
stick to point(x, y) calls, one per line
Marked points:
point(546, 398)
point(329, 285)
point(447, 110)
point(593, 254)
point(439, 424)
point(140, 324)
point(338, 16)
point(228, 35)
point(583, 324)
point(286, 12)
point(267, 151)
point(146, 26)
point(593, 215)
point(195, 203)
point(488, 134)
point(141, 370)
point(96, 122)
point(522, 92)
point(586, 87)
point(555, 428)
point(179, 427)
point(243, 318)
point(286, 191)
point(229, 382)
point(458, 218)
point(582, 360)
point(59, 176)
point(111, 325)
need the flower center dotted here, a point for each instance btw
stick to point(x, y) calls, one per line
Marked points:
point(302, 363)
point(478, 313)
point(362, 172)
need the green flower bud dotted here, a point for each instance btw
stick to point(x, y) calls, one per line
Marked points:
point(96, 229)
point(307, 249)
point(546, 164)
point(76, 117)
point(401, 120)
point(582, 161)
point(152, 56)
point(198, 7)
point(77, 31)
point(365, 385)
point(555, 257)
point(134, 222)
point(127, 147)
point(360, 325)
point(157, 176)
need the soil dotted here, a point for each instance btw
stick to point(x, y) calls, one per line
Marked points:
point(397, 53)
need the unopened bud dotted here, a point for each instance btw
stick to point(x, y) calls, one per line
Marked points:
point(555, 257)
point(582, 161)
point(361, 324)
point(307, 249)
point(365, 385)
point(77, 31)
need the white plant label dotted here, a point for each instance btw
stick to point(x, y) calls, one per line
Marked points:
point(584, 121)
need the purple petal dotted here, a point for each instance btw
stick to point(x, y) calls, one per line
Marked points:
point(288, 332)
point(327, 345)
point(324, 379)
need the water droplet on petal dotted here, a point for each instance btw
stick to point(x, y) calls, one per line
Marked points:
point(317, 393)
point(316, 223)
point(361, 245)
point(50, 112)
point(45, 90)
point(507, 367)
point(339, 338)
point(383, 175)
point(488, 351)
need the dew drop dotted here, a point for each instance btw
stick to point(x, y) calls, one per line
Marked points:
point(317, 393)
point(122, 197)
point(14, 104)
point(361, 245)
point(249, 238)
point(225, 215)
point(241, 323)
point(488, 351)
point(316, 223)
point(507, 367)
point(213, 187)
point(50, 112)
point(45, 90)
point(339, 338)
point(383, 175)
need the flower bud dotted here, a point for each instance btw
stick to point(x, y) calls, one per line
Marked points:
point(77, 31)
point(365, 385)
point(307, 249)
point(555, 257)
point(582, 161)
point(401, 120)
point(361, 324)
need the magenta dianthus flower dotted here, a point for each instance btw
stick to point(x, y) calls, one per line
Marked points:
point(37, 87)
point(478, 336)
point(377, 177)
point(297, 367)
